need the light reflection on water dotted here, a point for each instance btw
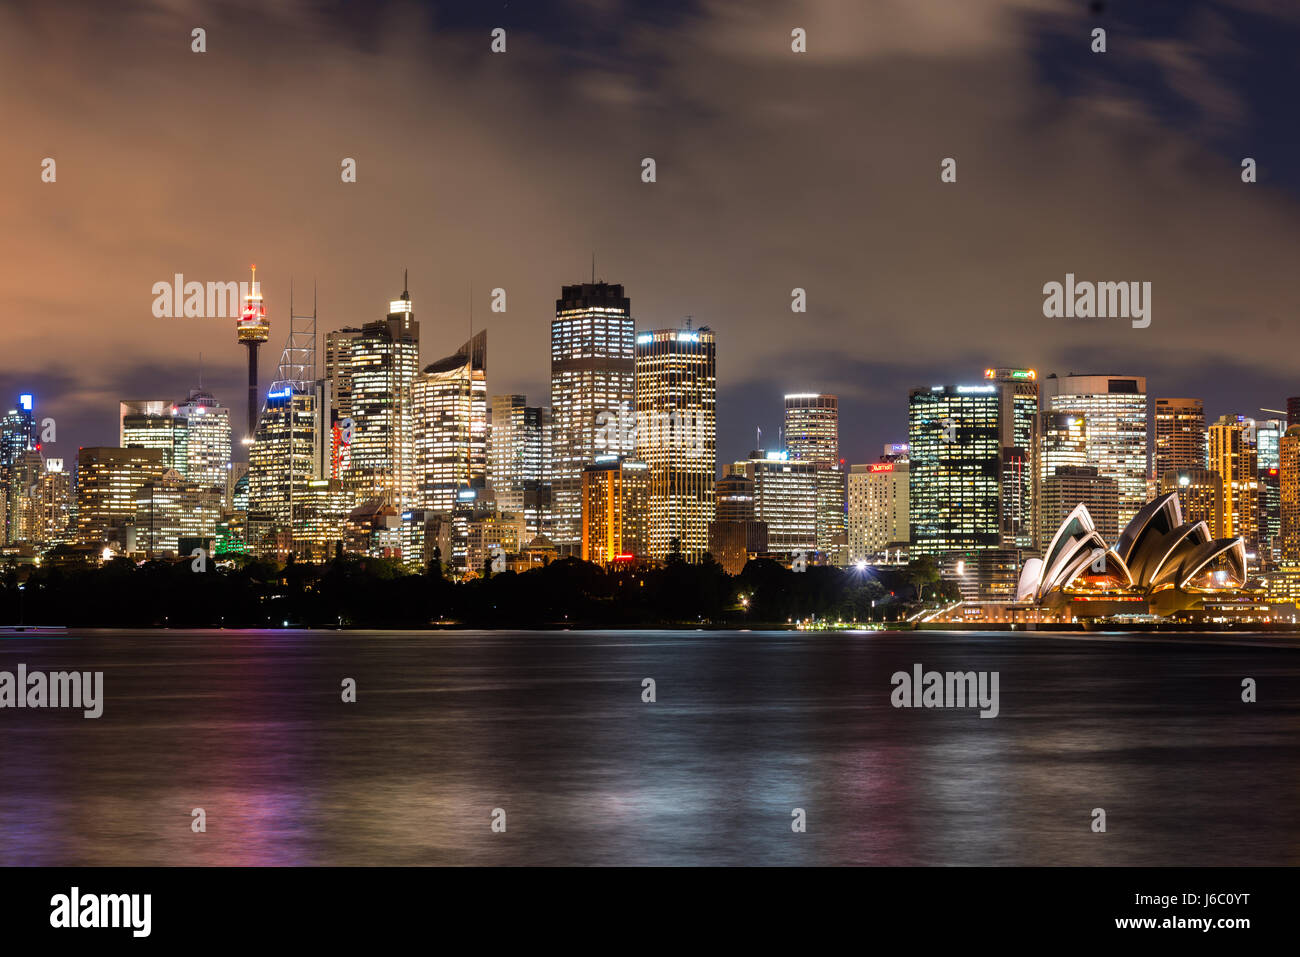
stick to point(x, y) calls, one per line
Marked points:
point(551, 728)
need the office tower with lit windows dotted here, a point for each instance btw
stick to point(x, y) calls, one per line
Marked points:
point(812, 434)
point(168, 508)
point(593, 373)
point(878, 495)
point(615, 510)
point(167, 431)
point(1233, 456)
point(449, 405)
point(289, 451)
point(1019, 426)
point(17, 438)
point(1268, 434)
point(1115, 412)
point(208, 440)
point(18, 430)
point(1200, 493)
point(955, 464)
point(1070, 486)
point(54, 504)
point(107, 482)
point(1179, 434)
point(785, 498)
point(735, 534)
point(1288, 467)
point(22, 499)
point(676, 436)
point(1062, 442)
point(371, 370)
point(516, 474)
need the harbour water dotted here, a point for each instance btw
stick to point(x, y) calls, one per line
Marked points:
point(551, 728)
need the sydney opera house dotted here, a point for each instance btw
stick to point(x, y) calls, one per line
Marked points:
point(1162, 567)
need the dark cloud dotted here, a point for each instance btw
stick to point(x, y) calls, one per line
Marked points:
point(775, 170)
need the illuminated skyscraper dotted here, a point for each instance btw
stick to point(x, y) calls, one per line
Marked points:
point(372, 370)
point(1180, 434)
point(107, 482)
point(676, 436)
point(593, 373)
point(615, 497)
point(208, 445)
point(1062, 442)
point(1070, 486)
point(785, 497)
point(955, 462)
point(517, 467)
point(877, 507)
point(285, 456)
point(1019, 425)
point(735, 534)
point(1233, 456)
point(449, 405)
point(812, 434)
point(1289, 493)
point(167, 431)
point(1115, 410)
point(1200, 493)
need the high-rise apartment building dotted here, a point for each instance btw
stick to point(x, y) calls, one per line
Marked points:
point(676, 436)
point(593, 373)
point(1179, 435)
point(449, 400)
point(1115, 410)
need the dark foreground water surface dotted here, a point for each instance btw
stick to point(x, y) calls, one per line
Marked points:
point(551, 728)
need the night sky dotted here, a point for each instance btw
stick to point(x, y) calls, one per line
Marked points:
point(775, 170)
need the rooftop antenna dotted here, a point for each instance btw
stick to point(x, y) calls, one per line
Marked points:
point(593, 267)
point(688, 323)
point(200, 371)
point(406, 285)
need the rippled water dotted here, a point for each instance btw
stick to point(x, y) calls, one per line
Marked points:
point(551, 728)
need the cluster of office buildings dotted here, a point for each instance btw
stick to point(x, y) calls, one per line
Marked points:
point(359, 446)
